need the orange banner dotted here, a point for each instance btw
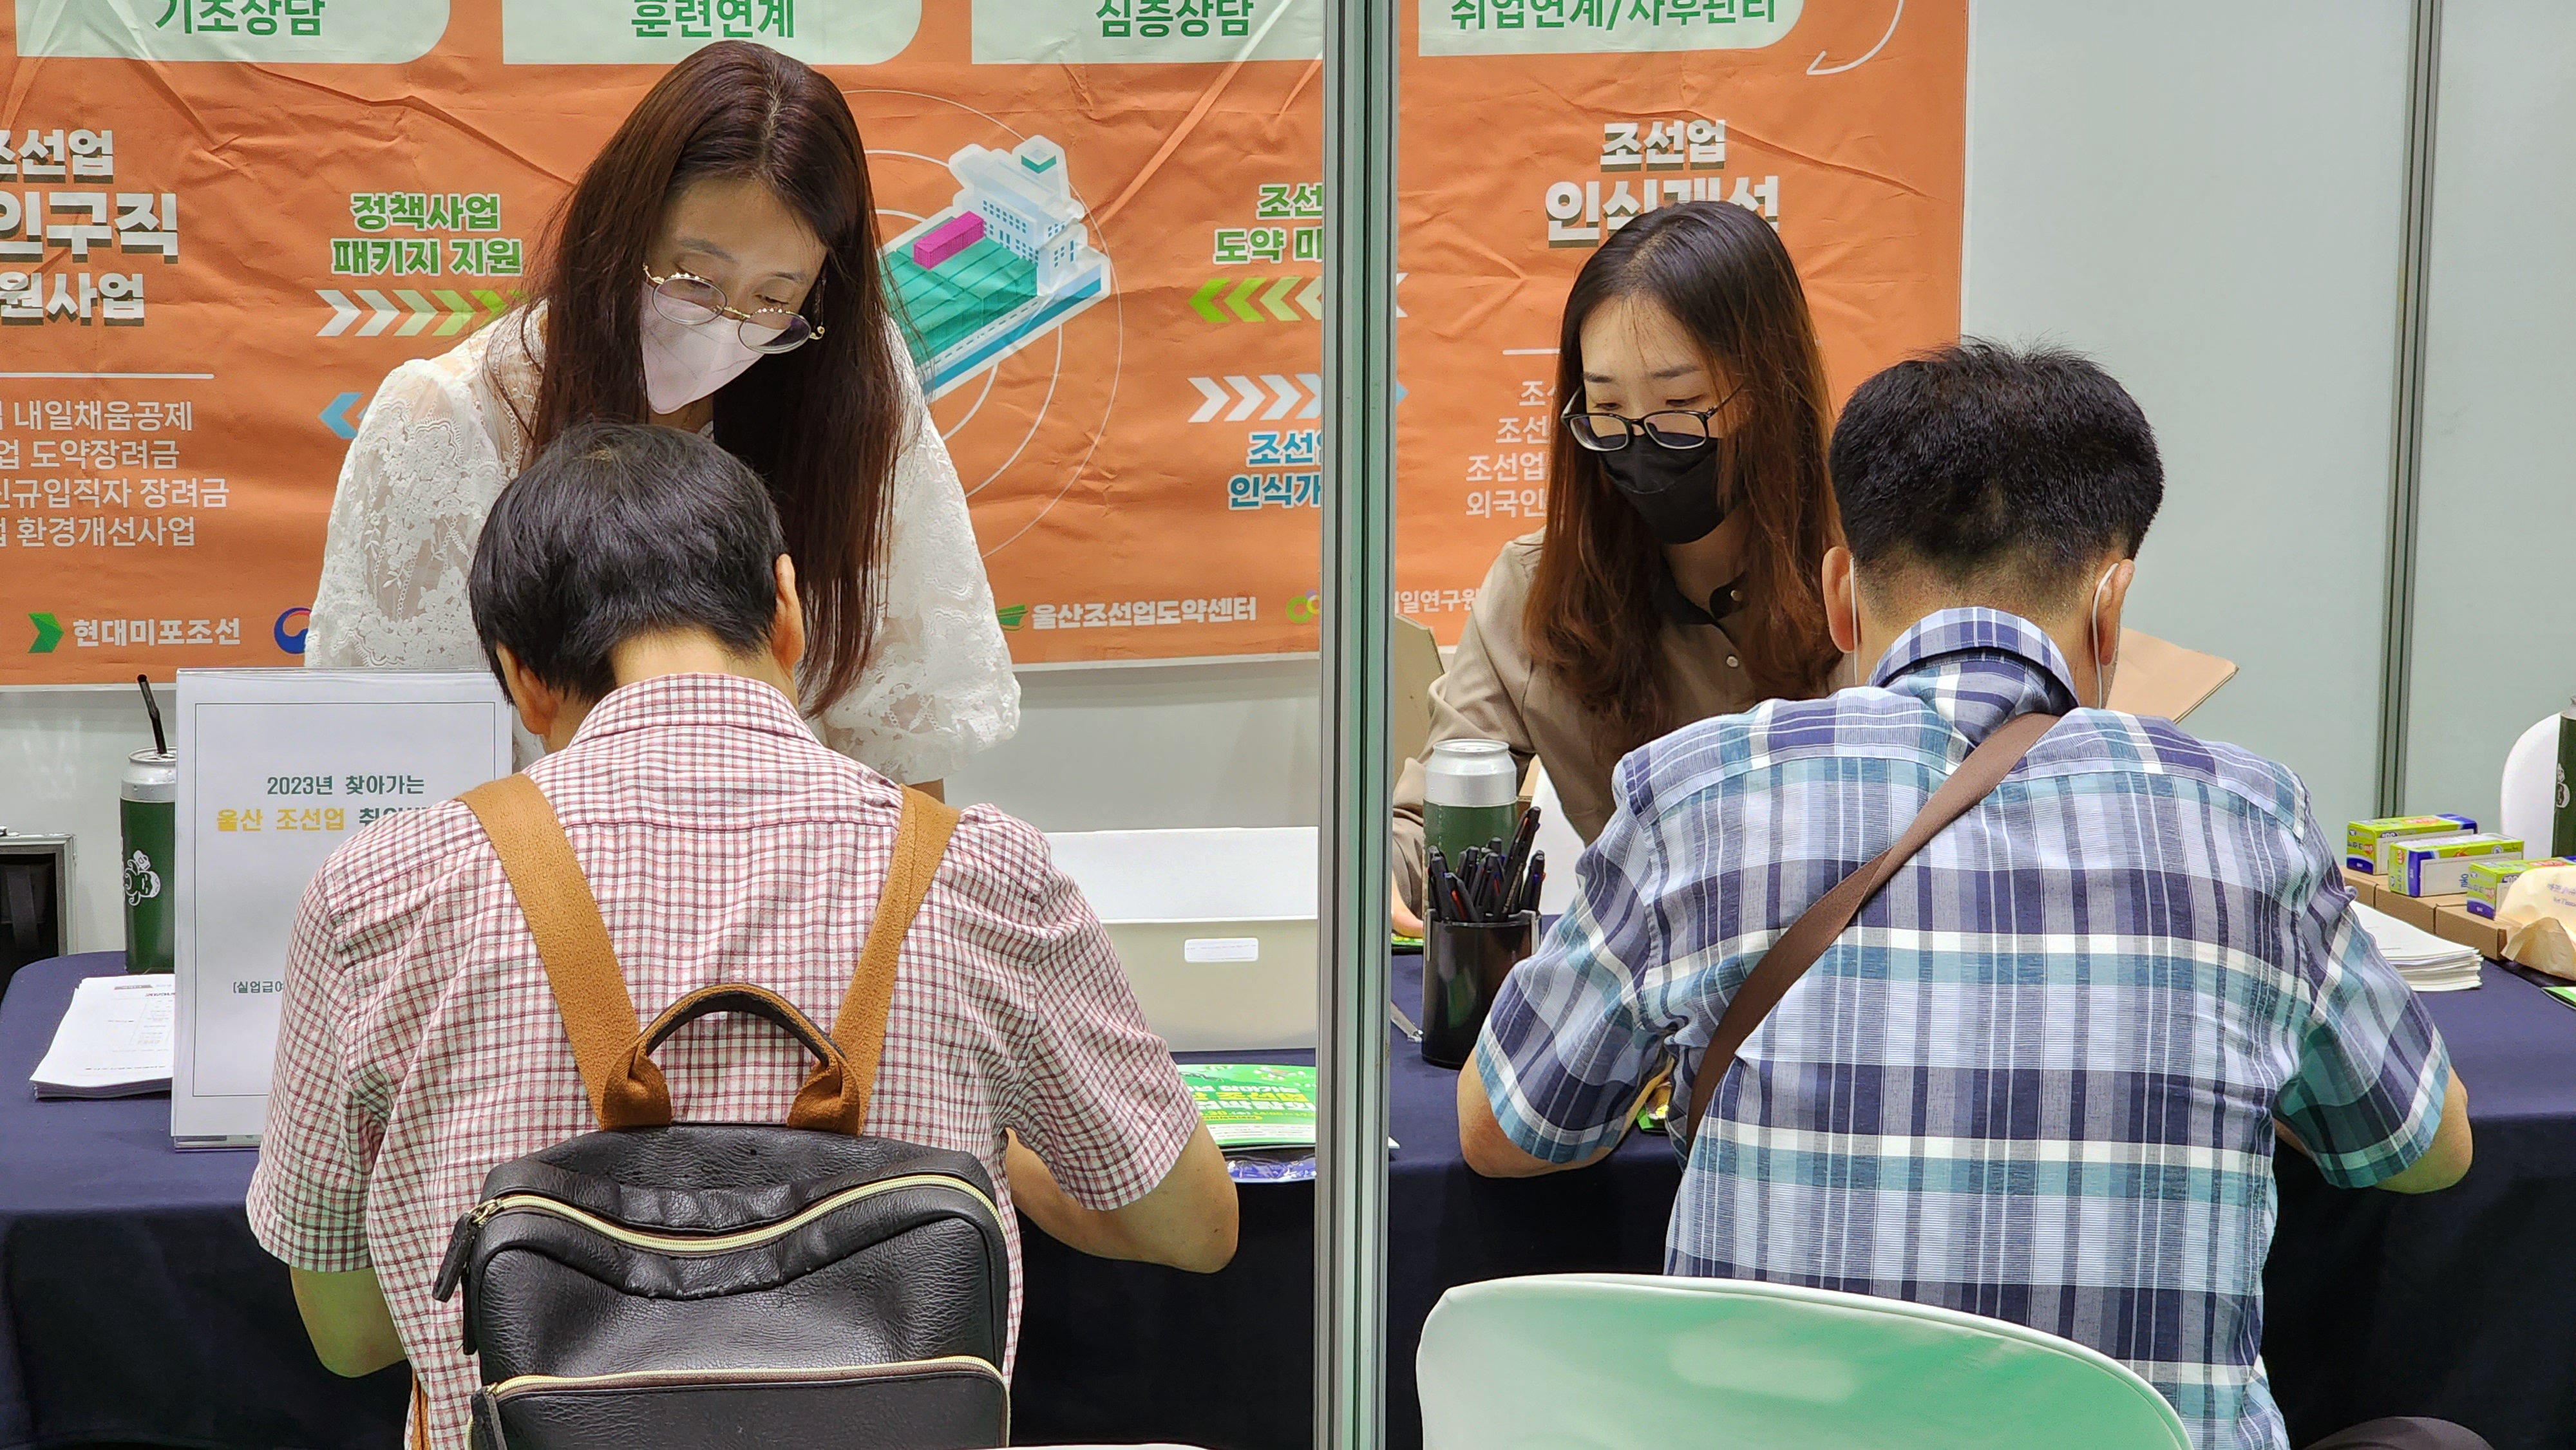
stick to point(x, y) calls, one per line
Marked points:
point(223, 221)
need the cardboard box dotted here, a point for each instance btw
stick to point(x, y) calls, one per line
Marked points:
point(2422, 912)
point(2489, 881)
point(2447, 917)
point(2156, 678)
point(2366, 844)
point(2439, 866)
point(2457, 923)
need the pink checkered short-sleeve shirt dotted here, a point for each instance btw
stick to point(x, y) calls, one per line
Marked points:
point(419, 1046)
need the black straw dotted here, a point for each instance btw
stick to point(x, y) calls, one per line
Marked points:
point(160, 742)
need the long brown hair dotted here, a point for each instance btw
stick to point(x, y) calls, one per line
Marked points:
point(821, 425)
point(1595, 618)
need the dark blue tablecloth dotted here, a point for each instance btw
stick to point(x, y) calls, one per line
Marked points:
point(2462, 1303)
point(1113, 1352)
point(134, 1305)
point(138, 1307)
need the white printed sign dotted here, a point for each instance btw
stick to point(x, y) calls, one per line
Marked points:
point(278, 769)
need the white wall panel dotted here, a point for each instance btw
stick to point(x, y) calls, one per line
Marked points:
point(2213, 213)
point(2495, 614)
point(1174, 745)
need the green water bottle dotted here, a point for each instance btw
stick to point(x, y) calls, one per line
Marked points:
point(2562, 812)
point(148, 810)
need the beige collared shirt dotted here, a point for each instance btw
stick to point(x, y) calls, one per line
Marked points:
point(1493, 691)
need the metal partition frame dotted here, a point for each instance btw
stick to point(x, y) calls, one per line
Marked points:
point(1358, 584)
point(2406, 443)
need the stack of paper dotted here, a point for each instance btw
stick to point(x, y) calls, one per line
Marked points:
point(114, 1042)
point(2427, 962)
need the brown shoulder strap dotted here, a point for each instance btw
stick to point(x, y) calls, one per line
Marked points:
point(920, 840)
point(563, 916)
point(609, 1045)
point(1815, 929)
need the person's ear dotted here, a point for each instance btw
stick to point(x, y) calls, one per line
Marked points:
point(538, 703)
point(1842, 611)
point(787, 625)
point(2110, 601)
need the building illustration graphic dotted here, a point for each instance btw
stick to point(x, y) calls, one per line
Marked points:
point(1005, 263)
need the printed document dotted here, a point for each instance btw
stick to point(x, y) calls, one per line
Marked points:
point(114, 1042)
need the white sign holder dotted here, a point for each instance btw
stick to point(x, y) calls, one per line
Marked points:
point(278, 769)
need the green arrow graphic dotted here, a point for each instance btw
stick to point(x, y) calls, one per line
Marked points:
point(49, 632)
point(460, 312)
point(1204, 300)
point(422, 312)
point(1276, 299)
point(1238, 303)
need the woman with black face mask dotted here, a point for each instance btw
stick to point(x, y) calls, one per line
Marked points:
point(1687, 519)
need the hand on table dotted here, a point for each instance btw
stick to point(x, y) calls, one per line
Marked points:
point(1400, 916)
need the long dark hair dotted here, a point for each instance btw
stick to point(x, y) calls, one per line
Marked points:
point(1594, 618)
point(822, 425)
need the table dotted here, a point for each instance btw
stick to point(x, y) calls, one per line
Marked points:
point(2456, 1304)
point(137, 1306)
point(2462, 1303)
point(1116, 1351)
point(2453, 1304)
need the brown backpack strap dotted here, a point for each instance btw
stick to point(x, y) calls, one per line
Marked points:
point(613, 1050)
point(920, 840)
point(1815, 929)
point(572, 940)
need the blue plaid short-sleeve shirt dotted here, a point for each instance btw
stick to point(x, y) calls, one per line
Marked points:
point(2037, 1076)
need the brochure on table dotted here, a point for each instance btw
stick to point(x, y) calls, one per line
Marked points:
point(278, 769)
point(114, 1041)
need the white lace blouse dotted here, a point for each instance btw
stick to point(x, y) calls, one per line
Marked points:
point(432, 454)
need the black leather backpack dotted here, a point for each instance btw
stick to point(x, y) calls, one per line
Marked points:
point(659, 1284)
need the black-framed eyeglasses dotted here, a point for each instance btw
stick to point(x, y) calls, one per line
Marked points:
point(1672, 427)
point(691, 300)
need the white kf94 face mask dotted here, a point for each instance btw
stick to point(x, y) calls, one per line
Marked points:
point(684, 362)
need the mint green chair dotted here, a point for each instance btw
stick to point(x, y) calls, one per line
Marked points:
point(1642, 1362)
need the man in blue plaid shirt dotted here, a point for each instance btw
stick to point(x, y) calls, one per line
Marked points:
point(2038, 1077)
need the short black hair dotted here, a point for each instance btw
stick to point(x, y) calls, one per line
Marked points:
point(621, 529)
point(1979, 456)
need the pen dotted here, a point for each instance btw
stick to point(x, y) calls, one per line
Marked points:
point(1522, 840)
point(1434, 876)
point(1537, 879)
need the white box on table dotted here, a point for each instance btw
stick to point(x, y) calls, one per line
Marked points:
point(1215, 928)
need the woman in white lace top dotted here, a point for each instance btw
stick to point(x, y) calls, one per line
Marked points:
point(716, 270)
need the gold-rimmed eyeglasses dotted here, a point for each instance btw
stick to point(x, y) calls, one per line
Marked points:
point(691, 301)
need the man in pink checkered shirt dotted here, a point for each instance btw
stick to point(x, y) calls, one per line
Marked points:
point(636, 599)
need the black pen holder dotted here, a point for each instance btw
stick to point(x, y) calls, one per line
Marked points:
point(1463, 967)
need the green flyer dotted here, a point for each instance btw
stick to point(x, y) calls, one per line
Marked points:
point(1254, 1105)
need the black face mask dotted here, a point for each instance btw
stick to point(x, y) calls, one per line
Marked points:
point(1673, 489)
